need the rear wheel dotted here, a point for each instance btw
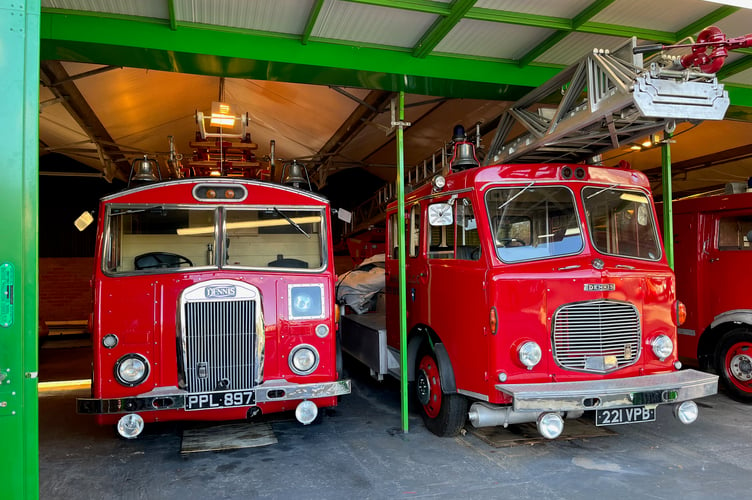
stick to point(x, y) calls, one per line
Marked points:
point(734, 363)
point(443, 414)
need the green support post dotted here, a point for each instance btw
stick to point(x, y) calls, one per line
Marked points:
point(401, 242)
point(19, 166)
point(668, 213)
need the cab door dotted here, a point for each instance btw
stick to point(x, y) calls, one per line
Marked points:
point(456, 308)
point(729, 255)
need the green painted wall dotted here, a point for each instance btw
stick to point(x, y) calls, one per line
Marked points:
point(19, 79)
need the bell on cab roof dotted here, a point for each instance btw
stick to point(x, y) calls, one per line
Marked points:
point(293, 175)
point(463, 156)
point(143, 170)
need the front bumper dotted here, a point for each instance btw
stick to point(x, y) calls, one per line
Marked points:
point(613, 393)
point(269, 391)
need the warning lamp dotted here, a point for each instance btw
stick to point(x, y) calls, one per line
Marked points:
point(229, 194)
point(210, 193)
point(681, 313)
point(493, 320)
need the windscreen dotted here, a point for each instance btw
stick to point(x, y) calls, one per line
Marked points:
point(621, 222)
point(532, 222)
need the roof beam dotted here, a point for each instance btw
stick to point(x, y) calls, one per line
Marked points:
point(312, 17)
point(705, 21)
point(365, 112)
point(559, 35)
point(59, 82)
point(441, 28)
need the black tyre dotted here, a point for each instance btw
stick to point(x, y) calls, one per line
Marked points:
point(733, 362)
point(443, 414)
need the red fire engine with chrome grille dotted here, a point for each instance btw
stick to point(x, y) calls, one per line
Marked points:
point(213, 301)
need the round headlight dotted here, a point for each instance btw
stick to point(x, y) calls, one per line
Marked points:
point(304, 359)
point(530, 354)
point(662, 347)
point(131, 370)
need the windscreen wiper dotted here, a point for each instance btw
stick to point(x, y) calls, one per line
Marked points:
point(292, 222)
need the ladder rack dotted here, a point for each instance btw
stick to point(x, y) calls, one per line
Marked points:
point(608, 99)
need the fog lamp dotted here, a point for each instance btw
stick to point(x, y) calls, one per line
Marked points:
point(530, 354)
point(662, 347)
point(550, 425)
point(306, 412)
point(130, 426)
point(131, 370)
point(304, 359)
point(686, 412)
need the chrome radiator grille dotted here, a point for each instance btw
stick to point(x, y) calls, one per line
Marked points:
point(220, 340)
point(596, 336)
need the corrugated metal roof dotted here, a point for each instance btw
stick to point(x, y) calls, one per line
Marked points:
point(394, 43)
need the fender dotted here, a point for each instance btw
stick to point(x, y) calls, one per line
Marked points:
point(448, 384)
point(733, 316)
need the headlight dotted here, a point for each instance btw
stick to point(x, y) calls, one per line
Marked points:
point(306, 301)
point(530, 354)
point(662, 347)
point(304, 359)
point(131, 370)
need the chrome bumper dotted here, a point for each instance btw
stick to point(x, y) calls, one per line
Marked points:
point(590, 395)
point(269, 391)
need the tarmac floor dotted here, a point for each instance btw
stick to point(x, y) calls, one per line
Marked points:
point(359, 452)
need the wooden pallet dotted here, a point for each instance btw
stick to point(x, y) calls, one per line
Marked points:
point(527, 434)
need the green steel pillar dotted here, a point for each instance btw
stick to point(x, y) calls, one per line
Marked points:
point(19, 128)
point(400, 124)
point(668, 214)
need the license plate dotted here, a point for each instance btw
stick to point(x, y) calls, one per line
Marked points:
point(629, 415)
point(226, 399)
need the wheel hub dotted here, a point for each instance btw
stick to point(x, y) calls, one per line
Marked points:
point(741, 367)
point(423, 388)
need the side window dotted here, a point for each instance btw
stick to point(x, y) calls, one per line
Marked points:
point(468, 242)
point(414, 234)
point(393, 236)
point(735, 233)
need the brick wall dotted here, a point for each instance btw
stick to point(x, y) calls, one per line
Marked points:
point(64, 291)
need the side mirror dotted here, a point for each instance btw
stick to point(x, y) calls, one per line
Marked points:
point(84, 220)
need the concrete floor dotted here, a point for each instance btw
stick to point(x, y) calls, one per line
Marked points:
point(358, 453)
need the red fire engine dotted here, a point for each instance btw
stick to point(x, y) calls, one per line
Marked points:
point(536, 286)
point(713, 242)
point(213, 300)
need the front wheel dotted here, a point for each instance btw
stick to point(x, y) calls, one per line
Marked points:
point(734, 364)
point(443, 414)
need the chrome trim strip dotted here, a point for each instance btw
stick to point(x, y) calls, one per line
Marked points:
point(289, 392)
point(474, 395)
point(612, 393)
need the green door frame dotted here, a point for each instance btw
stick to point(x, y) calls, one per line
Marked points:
point(19, 178)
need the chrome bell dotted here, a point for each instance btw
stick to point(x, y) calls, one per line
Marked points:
point(293, 175)
point(463, 156)
point(144, 170)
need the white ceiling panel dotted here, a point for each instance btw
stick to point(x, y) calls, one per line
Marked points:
point(279, 16)
point(737, 24)
point(487, 39)
point(144, 8)
point(371, 24)
point(576, 45)
point(666, 15)
point(558, 8)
